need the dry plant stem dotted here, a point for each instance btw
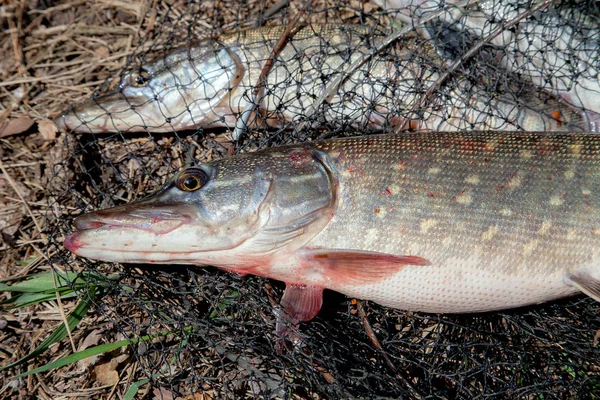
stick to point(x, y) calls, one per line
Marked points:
point(335, 84)
point(258, 93)
point(39, 228)
point(14, 186)
point(472, 51)
point(63, 315)
point(189, 157)
point(274, 9)
point(371, 334)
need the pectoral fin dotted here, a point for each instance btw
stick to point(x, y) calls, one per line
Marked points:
point(300, 303)
point(354, 266)
point(586, 283)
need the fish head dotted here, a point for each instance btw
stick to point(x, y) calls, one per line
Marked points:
point(230, 213)
point(181, 91)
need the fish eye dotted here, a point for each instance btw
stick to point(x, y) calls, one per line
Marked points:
point(192, 180)
point(138, 79)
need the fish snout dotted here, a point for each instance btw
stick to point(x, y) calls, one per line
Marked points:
point(94, 115)
point(151, 220)
point(75, 119)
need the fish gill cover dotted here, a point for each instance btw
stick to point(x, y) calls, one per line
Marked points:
point(204, 91)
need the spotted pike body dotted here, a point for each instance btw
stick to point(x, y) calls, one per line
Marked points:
point(211, 83)
point(437, 222)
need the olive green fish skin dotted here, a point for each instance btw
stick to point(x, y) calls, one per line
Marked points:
point(210, 83)
point(436, 222)
point(502, 218)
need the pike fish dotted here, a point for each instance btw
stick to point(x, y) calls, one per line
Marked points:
point(438, 222)
point(210, 84)
point(558, 49)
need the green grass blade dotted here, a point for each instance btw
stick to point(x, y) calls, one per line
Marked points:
point(92, 351)
point(80, 355)
point(40, 283)
point(133, 389)
point(27, 299)
point(59, 333)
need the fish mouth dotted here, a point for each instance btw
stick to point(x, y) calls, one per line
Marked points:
point(154, 221)
point(119, 222)
point(94, 115)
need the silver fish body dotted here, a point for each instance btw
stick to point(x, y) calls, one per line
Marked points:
point(558, 49)
point(436, 222)
point(210, 84)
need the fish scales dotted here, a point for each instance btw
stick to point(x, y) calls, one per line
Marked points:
point(438, 222)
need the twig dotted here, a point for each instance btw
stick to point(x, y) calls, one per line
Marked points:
point(371, 334)
point(189, 157)
point(472, 51)
point(274, 9)
point(258, 93)
point(333, 87)
point(63, 315)
point(16, 189)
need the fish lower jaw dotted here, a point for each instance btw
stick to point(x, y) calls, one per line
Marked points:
point(122, 252)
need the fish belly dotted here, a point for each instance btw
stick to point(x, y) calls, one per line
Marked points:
point(460, 289)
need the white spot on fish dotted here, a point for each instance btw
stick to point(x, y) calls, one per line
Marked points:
point(491, 144)
point(586, 191)
point(433, 171)
point(400, 166)
point(526, 154)
point(576, 149)
point(447, 241)
point(427, 224)
point(464, 198)
point(556, 201)
point(545, 228)
point(473, 179)
point(490, 233)
point(394, 189)
point(515, 181)
point(506, 212)
point(371, 237)
point(530, 247)
point(571, 234)
point(569, 174)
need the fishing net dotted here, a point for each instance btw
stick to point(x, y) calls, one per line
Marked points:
point(200, 333)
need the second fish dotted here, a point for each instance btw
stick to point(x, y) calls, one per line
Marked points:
point(210, 83)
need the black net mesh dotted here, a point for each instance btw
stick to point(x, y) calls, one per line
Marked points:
point(211, 333)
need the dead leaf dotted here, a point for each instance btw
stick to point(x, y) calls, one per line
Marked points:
point(91, 340)
point(15, 126)
point(47, 129)
point(196, 396)
point(106, 373)
point(162, 394)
